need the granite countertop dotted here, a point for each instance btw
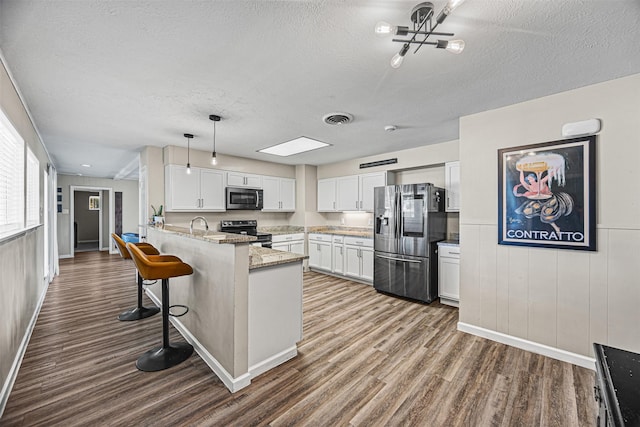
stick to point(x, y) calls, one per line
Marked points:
point(263, 257)
point(343, 231)
point(282, 229)
point(207, 236)
point(449, 243)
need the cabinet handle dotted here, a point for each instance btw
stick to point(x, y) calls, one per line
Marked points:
point(360, 204)
point(334, 205)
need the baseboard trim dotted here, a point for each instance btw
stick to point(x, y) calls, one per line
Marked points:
point(17, 361)
point(273, 361)
point(233, 384)
point(534, 347)
point(65, 256)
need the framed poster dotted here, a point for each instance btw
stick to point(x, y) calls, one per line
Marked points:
point(547, 195)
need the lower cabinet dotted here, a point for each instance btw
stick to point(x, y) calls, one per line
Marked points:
point(359, 258)
point(320, 251)
point(289, 243)
point(449, 274)
point(338, 254)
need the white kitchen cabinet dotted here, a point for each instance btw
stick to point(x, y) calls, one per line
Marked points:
point(279, 194)
point(239, 179)
point(201, 190)
point(358, 261)
point(288, 242)
point(337, 248)
point(320, 251)
point(327, 195)
point(449, 274)
point(347, 198)
point(351, 193)
point(452, 186)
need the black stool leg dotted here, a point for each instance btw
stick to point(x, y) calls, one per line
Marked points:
point(168, 355)
point(140, 312)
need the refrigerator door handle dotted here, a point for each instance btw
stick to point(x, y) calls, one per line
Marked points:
point(398, 259)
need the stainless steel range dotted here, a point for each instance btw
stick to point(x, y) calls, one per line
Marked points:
point(248, 227)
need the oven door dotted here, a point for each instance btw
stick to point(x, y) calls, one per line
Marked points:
point(244, 198)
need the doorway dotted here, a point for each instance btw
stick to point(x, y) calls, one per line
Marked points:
point(92, 218)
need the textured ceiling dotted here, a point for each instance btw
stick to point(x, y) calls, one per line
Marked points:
point(103, 79)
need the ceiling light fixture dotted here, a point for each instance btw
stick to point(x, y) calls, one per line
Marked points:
point(295, 146)
point(188, 136)
point(423, 27)
point(214, 118)
point(85, 165)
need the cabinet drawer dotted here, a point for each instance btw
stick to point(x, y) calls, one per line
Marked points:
point(359, 241)
point(338, 240)
point(320, 237)
point(287, 237)
point(449, 251)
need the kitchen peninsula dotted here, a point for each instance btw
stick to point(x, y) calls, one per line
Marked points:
point(245, 302)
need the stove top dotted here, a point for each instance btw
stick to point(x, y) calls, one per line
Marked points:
point(245, 226)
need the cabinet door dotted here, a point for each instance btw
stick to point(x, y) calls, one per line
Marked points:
point(235, 179)
point(347, 197)
point(271, 193)
point(212, 190)
point(449, 278)
point(366, 257)
point(327, 195)
point(314, 254)
point(283, 246)
point(338, 259)
point(452, 186)
point(352, 261)
point(182, 190)
point(287, 194)
point(253, 181)
point(367, 183)
point(325, 256)
point(297, 247)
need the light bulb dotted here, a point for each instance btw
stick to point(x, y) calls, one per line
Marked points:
point(383, 28)
point(397, 60)
point(188, 168)
point(214, 159)
point(455, 46)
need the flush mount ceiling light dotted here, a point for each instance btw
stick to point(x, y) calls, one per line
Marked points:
point(295, 146)
point(85, 165)
point(214, 118)
point(423, 27)
point(189, 137)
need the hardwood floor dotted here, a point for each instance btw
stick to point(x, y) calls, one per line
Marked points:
point(366, 359)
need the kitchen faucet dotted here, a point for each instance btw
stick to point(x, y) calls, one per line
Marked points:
point(206, 225)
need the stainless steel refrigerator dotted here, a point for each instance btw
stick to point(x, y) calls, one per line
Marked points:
point(409, 220)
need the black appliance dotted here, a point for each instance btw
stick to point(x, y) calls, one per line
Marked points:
point(617, 388)
point(248, 227)
point(244, 199)
point(409, 220)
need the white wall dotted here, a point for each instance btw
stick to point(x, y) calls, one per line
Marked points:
point(560, 298)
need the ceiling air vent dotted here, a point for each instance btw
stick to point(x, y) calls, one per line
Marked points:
point(337, 118)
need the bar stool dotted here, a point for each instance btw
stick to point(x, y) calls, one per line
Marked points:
point(162, 267)
point(140, 312)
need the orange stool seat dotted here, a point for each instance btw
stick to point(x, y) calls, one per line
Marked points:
point(161, 267)
point(139, 312)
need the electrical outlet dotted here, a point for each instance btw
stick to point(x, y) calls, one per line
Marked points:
point(341, 221)
point(370, 222)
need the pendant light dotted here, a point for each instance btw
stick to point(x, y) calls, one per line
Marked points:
point(214, 118)
point(188, 136)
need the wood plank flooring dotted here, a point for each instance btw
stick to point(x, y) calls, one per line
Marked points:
point(366, 360)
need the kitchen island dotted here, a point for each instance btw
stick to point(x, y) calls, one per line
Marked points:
point(245, 302)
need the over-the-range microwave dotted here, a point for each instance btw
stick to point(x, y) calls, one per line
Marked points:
point(244, 198)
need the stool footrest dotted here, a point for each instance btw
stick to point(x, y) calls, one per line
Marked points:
point(160, 358)
point(184, 307)
point(138, 313)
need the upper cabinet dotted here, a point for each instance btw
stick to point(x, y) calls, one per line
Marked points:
point(239, 179)
point(349, 193)
point(452, 186)
point(279, 194)
point(201, 190)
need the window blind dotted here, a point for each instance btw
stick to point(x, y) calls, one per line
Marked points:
point(33, 189)
point(11, 178)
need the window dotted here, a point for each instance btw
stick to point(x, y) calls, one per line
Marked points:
point(11, 178)
point(94, 203)
point(33, 189)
